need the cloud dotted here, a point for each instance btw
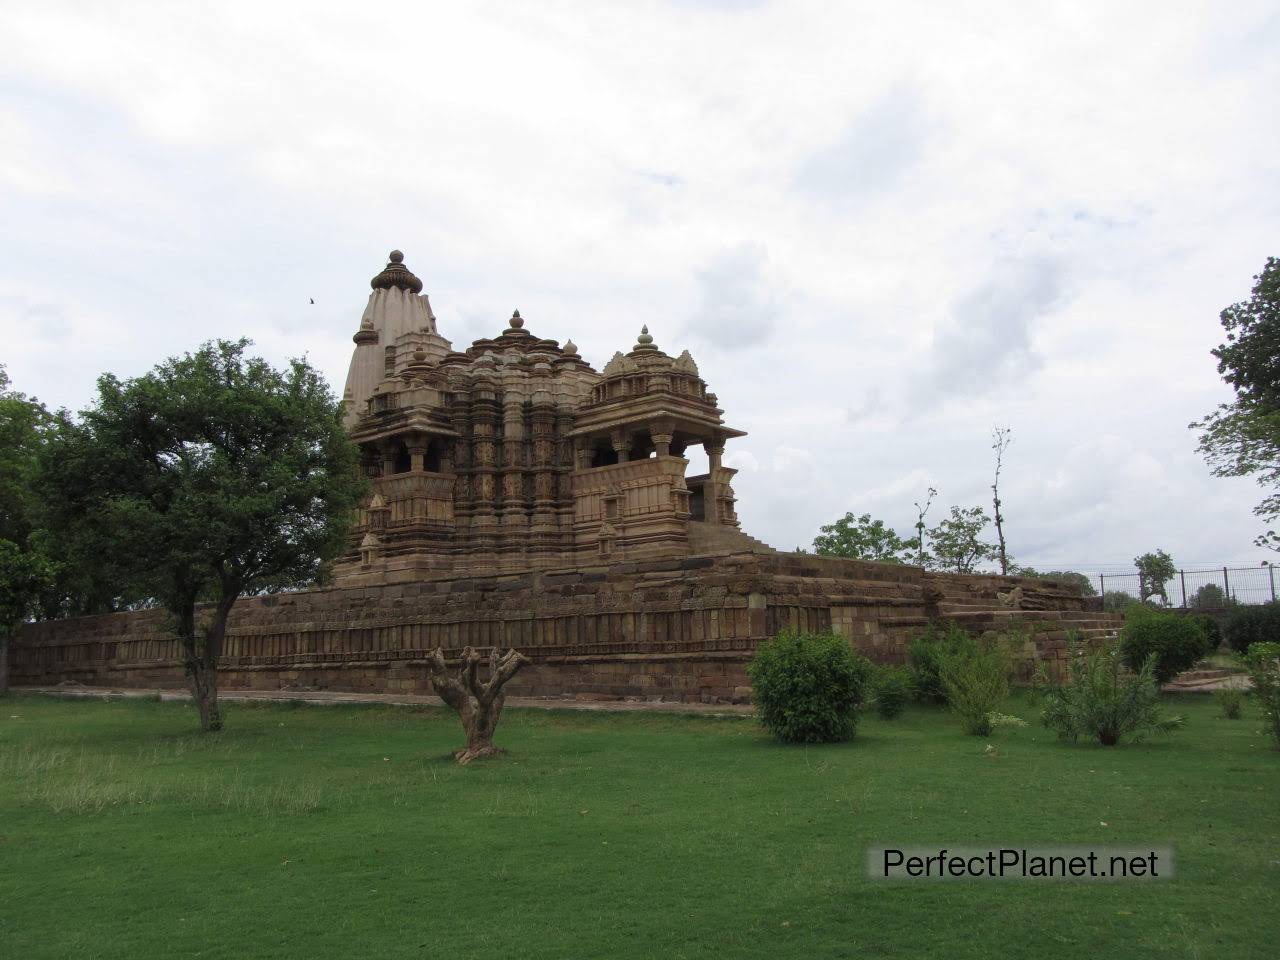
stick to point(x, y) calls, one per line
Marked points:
point(736, 310)
point(988, 338)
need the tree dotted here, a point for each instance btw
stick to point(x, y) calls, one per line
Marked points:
point(1242, 438)
point(922, 555)
point(956, 541)
point(1118, 601)
point(861, 538)
point(1209, 596)
point(1155, 569)
point(211, 477)
point(24, 569)
point(478, 703)
point(1001, 438)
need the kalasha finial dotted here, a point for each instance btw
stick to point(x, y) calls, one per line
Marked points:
point(396, 275)
point(644, 341)
point(516, 320)
point(570, 348)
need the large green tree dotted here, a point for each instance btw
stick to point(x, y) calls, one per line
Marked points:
point(211, 477)
point(24, 570)
point(862, 538)
point(1242, 438)
point(956, 543)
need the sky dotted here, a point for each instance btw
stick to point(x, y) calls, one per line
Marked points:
point(881, 229)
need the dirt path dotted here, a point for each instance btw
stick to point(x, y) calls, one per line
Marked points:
point(327, 697)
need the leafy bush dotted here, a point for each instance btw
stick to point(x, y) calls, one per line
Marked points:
point(1263, 661)
point(893, 690)
point(1175, 642)
point(1209, 627)
point(926, 653)
point(1105, 701)
point(809, 687)
point(1249, 625)
point(1118, 601)
point(1230, 701)
point(975, 681)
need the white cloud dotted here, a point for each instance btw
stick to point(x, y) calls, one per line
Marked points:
point(881, 227)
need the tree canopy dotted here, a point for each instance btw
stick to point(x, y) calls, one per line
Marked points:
point(956, 543)
point(862, 538)
point(213, 476)
point(1242, 438)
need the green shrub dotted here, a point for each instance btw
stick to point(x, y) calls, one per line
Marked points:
point(1263, 661)
point(893, 690)
point(1209, 627)
point(926, 653)
point(1175, 642)
point(809, 687)
point(1104, 700)
point(1230, 701)
point(975, 680)
point(1249, 625)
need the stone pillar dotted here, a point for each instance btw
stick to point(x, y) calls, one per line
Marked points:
point(711, 492)
point(388, 459)
point(417, 454)
point(661, 434)
point(621, 445)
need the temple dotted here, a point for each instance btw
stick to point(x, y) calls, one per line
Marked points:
point(517, 454)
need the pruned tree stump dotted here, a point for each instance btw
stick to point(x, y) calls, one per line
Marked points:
point(478, 703)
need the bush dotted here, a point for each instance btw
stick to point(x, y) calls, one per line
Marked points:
point(1174, 641)
point(1263, 661)
point(1105, 701)
point(926, 653)
point(1209, 627)
point(1230, 701)
point(975, 680)
point(808, 687)
point(1249, 625)
point(893, 690)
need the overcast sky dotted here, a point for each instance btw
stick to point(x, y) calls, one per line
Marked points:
point(881, 228)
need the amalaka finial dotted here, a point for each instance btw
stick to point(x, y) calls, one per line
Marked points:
point(396, 276)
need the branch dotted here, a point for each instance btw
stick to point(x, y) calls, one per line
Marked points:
point(448, 688)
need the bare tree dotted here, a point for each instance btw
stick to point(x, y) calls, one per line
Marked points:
point(479, 704)
point(921, 556)
point(1002, 437)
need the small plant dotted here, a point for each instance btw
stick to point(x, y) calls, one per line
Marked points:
point(1106, 701)
point(1254, 624)
point(1230, 701)
point(893, 690)
point(926, 653)
point(1263, 661)
point(809, 687)
point(975, 681)
point(1176, 643)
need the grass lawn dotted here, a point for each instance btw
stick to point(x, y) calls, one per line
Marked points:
point(330, 832)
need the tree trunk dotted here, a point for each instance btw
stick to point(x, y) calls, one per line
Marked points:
point(204, 690)
point(4, 664)
point(479, 704)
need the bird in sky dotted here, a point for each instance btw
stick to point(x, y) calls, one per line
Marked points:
point(313, 300)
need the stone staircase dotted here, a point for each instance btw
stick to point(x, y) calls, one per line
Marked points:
point(714, 538)
point(1091, 628)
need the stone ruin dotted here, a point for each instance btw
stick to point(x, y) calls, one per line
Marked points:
point(522, 499)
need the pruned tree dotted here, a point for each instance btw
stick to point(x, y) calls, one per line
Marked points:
point(478, 703)
point(1155, 569)
point(211, 477)
point(922, 555)
point(1001, 438)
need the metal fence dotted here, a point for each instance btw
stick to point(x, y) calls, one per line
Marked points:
point(1213, 589)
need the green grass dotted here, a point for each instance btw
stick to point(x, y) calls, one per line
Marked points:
point(346, 832)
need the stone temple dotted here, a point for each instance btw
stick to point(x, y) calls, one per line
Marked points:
point(516, 454)
point(521, 498)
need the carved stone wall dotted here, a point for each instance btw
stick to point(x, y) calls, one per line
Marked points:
point(678, 629)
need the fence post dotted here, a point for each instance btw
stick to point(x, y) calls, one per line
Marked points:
point(1226, 584)
point(1102, 590)
point(1271, 571)
point(1183, 575)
